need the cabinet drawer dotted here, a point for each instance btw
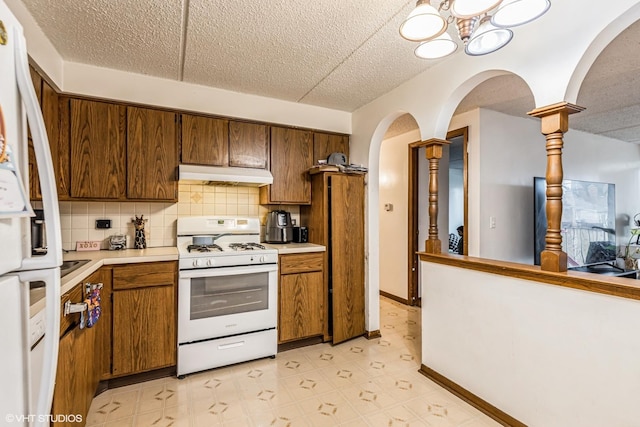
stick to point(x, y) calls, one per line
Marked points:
point(144, 274)
point(301, 263)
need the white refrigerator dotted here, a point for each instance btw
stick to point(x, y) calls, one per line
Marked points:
point(25, 398)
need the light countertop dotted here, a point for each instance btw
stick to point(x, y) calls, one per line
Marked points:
point(295, 248)
point(96, 260)
point(100, 258)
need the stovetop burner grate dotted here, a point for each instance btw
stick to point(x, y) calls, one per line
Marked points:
point(246, 246)
point(204, 248)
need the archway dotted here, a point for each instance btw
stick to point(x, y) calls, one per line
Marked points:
point(394, 205)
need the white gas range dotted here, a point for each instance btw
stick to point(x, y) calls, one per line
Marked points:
point(227, 293)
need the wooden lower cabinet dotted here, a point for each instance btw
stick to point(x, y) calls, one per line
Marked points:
point(136, 332)
point(79, 360)
point(301, 294)
point(144, 317)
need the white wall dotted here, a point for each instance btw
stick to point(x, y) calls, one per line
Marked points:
point(512, 152)
point(394, 176)
point(394, 223)
point(546, 355)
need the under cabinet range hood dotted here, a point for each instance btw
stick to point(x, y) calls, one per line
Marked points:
point(225, 175)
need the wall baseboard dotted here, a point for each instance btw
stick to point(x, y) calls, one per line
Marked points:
point(370, 335)
point(473, 400)
point(395, 298)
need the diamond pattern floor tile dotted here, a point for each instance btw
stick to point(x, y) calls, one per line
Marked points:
point(357, 383)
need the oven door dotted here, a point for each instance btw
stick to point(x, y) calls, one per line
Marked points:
point(218, 302)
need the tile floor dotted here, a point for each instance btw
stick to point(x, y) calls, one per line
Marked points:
point(357, 383)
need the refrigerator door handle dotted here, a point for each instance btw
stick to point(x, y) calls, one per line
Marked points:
point(53, 257)
point(51, 277)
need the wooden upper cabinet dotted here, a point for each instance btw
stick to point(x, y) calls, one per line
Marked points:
point(291, 158)
point(49, 104)
point(248, 145)
point(205, 141)
point(34, 180)
point(55, 114)
point(325, 144)
point(98, 150)
point(152, 154)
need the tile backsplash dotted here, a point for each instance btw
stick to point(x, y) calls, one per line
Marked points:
point(78, 219)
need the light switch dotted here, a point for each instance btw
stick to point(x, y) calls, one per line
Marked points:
point(492, 222)
point(388, 207)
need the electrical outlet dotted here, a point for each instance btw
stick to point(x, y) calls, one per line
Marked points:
point(492, 222)
point(103, 223)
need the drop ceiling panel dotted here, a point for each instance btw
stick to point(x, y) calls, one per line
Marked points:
point(631, 134)
point(382, 63)
point(280, 48)
point(140, 36)
point(608, 121)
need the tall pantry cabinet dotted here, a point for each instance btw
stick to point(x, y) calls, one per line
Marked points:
point(336, 220)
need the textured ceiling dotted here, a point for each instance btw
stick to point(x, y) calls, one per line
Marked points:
point(335, 54)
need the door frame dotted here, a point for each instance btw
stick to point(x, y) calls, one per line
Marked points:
point(464, 133)
point(413, 243)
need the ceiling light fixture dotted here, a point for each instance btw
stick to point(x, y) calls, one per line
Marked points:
point(483, 25)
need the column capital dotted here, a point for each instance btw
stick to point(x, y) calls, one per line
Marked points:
point(560, 107)
point(434, 147)
point(435, 141)
point(555, 117)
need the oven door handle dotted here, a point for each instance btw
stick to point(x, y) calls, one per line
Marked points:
point(228, 271)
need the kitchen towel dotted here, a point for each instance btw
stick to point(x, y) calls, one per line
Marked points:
point(93, 306)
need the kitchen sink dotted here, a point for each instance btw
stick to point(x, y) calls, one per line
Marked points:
point(69, 266)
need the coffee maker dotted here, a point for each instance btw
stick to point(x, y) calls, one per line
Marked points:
point(279, 228)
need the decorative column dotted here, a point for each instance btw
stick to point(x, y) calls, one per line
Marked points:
point(434, 153)
point(554, 123)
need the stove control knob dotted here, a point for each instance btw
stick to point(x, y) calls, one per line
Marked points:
point(211, 262)
point(263, 259)
point(197, 262)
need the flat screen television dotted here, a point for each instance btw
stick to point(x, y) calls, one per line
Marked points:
point(587, 225)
